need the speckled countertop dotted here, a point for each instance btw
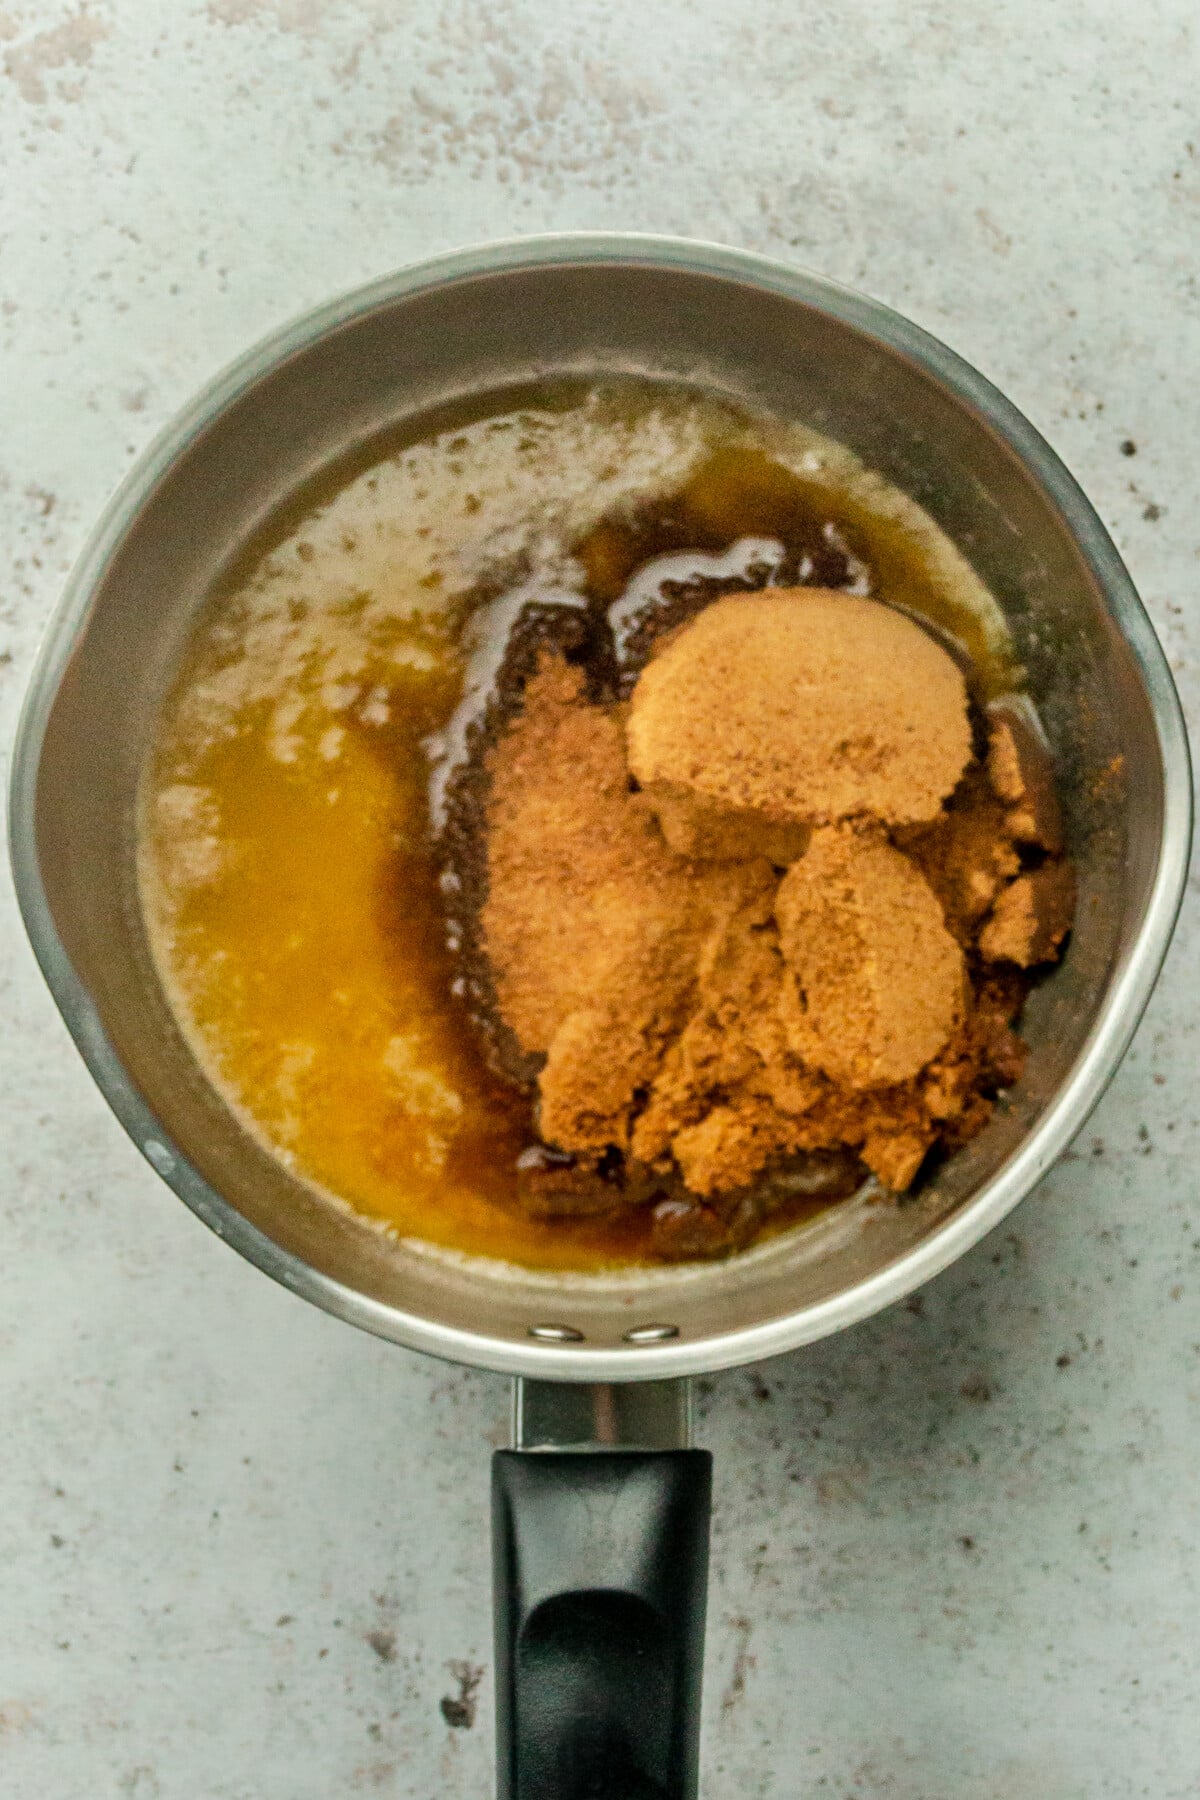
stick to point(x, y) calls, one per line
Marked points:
point(242, 1549)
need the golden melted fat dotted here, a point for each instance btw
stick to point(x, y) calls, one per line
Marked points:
point(289, 874)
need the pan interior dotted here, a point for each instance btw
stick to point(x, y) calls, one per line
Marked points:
point(290, 876)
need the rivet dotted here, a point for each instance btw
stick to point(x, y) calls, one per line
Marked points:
point(556, 1334)
point(651, 1334)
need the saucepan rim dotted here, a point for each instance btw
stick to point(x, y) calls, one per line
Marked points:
point(1121, 1007)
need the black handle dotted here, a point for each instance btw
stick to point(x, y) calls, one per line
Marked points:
point(600, 1567)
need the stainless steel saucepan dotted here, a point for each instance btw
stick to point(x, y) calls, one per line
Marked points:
point(601, 1510)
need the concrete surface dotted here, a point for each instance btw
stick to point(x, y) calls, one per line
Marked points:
point(242, 1550)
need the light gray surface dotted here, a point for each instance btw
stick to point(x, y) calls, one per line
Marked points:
point(957, 1551)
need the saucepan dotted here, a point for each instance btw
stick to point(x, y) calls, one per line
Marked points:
point(601, 1509)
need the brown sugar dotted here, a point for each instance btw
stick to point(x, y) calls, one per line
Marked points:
point(879, 980)
point(967, 855)
point(580, 881)
point(593, 926)
point(1031, 918)
point(731, 1099)
point(806, 706)
point(729, 1070)
point(1022, 774)
point(749, 932)
point(697, 828)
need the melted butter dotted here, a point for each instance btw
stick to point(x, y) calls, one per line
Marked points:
point(289, 874)
point(827, 512)
point(307, 951)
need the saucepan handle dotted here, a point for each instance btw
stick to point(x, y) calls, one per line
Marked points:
point(600, 1567)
